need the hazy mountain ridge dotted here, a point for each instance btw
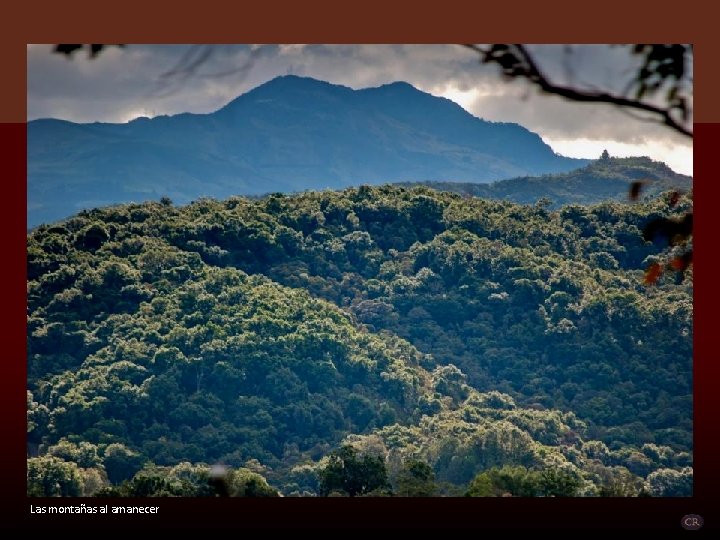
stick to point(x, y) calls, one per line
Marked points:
point(289, 134)
point(600, 180)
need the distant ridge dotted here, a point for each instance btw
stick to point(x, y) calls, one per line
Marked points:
point(601, 180)
point(289, 134)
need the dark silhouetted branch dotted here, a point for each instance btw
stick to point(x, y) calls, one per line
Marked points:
point(516, 61)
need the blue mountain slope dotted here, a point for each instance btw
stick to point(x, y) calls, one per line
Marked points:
point(289, 134)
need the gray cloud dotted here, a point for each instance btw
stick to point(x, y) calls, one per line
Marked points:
point(122, 84)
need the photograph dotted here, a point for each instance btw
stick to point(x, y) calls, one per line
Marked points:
point(359, 270)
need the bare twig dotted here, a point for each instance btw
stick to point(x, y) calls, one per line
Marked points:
point(517, 61)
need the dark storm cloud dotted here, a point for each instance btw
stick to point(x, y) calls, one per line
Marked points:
point(122, 84)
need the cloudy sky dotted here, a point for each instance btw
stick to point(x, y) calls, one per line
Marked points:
point(150, 80)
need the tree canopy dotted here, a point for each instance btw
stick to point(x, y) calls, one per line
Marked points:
point(439, 335)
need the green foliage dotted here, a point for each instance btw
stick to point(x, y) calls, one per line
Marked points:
point(616, 481)
point(559, 483)
point(84, 454)
point(245, 483)
point(461, 333)
point(38, 417)
point(518, 481)
point(350, 474)
point(416, 479)
point(121, 463)
point(53, 477)
point(670, 483)
point(192, 480)
point(515, 481)
point(481, 486)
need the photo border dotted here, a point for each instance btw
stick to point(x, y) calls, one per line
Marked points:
point(370, 22)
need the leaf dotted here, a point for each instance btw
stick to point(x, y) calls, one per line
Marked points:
point(652, 274)
point(681, 263)
point(655, 228)
point(67, 48)
point(675, 231)
point(635, 189)
point(682, 230)
point(94, 49)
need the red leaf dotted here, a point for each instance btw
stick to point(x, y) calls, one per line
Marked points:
point(681, 263)
point(674, 198)
point(652, 274)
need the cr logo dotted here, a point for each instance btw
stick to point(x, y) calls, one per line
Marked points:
point(691, 522)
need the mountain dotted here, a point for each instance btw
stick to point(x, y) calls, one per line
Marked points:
point(287, 135)
point(464, 338)
point(601, 180)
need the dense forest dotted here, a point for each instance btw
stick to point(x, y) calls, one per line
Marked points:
point(385, 340)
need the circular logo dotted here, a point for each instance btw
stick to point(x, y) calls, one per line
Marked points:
point(691, 522)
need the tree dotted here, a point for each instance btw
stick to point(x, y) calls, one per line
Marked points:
point(38, 419)
point(245, 483)
point(416, 479)
point(49, 476)
point(665, 68)
point(121, 463)
point(350, 474)
point(670, 483)
point(619, 482)
point(509, 480)
point(84, 454)
point(558, 483)
point(481, 486)
point(149, 482)
point(288, 375)
point(661, 89)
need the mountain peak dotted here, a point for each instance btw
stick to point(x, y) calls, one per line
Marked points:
point(290, 83)
point(397, 85)
point(291, 133)
point(294, 80)
point(284, 87)
point(289, 87)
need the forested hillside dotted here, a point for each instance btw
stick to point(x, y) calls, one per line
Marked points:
point(432, 343)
